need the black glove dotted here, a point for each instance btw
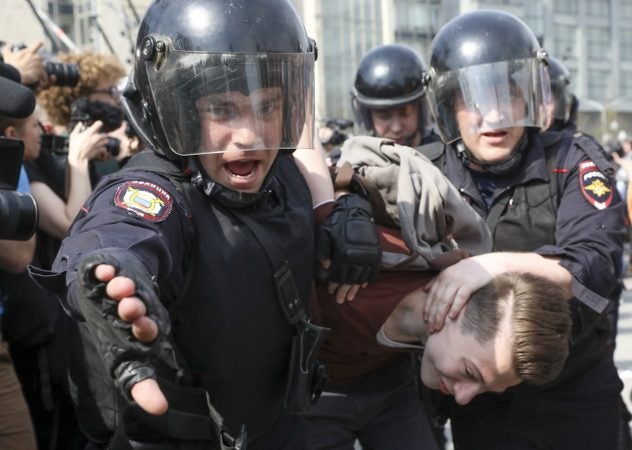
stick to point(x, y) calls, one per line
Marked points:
point(128, 360)
point(350, 239)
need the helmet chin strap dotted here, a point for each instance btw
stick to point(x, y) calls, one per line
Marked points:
point(411, 139)
point(500, 168)
point(225, 195)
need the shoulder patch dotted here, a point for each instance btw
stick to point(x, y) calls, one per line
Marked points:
point(144, 199)
point(595, 185)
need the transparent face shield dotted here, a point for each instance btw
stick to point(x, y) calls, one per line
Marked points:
point(490, 97)
point(217, 102)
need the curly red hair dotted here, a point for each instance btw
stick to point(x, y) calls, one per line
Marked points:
point(93, 67)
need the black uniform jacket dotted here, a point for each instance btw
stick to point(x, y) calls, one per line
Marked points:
point(214, 277)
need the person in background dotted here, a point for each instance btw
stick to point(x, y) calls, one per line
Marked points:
point(34, 322)
point(16, 427)
point(388, 97)
point(96, 96)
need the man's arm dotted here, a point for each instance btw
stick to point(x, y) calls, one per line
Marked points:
point(406, 324)
point(346, 263)
point(15, 255)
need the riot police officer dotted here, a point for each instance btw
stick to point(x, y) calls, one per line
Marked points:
point(549, 200)
point(189, 270)
point(388, 97)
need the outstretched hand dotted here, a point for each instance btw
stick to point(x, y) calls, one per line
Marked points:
point(131, 309)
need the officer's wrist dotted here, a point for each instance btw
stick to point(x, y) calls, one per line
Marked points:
point(323, 210)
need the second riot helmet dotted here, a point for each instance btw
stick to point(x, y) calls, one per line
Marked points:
point(389, 76)
point(487, 61)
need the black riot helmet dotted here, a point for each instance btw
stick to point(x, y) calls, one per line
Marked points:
point(196, 58)
point(389, 76)
point(487, 61)
point(561, 94)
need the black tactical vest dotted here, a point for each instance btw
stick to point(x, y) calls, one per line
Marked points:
point(228, 325)
point(523, 217)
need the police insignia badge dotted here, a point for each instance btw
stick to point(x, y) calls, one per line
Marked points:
point(144, 199)
point(595, 185)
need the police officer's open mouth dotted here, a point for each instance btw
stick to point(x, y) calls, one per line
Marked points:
point(244, 168)
point(494, 133)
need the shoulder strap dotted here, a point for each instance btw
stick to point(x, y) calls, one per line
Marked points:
point(594, 151)
point(148, 160)
point(287, 294)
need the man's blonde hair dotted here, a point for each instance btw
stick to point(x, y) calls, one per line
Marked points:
point(540, 322)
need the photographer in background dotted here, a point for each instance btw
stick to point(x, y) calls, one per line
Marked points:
point(16, 428)
point(34, 322)
point(94, 97)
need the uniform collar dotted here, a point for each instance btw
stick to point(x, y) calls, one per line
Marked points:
point(532, 168)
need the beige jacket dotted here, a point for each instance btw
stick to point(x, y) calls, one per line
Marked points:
point(436, 223)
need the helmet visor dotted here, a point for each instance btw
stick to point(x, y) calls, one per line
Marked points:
point(490, 97)
point(216, 102)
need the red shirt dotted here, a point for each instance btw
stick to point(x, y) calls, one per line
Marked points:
point(351, 350)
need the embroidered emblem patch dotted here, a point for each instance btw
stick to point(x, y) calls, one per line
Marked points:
point(595, 185)
point(144, 199)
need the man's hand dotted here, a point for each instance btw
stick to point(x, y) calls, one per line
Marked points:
point(28, 62)
point(131, 309)
point(348, 247)
point(119, 302)
point(452, 288)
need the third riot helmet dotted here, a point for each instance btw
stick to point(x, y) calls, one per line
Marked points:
point(561, 94)
point(389, 76)
point(484, 61)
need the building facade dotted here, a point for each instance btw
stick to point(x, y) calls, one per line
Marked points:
point(592, 37)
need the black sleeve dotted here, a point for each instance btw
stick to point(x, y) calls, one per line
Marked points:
point(117, 215)
point(10, 72)
point(590, 228)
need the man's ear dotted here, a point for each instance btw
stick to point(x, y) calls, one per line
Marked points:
point(11, 132)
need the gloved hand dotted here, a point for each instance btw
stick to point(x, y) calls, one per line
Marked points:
point(350, 239)
point(128, 359)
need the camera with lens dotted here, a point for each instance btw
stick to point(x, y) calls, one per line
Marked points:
point(18, 211)
point(87, 112)
point(65, 74)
